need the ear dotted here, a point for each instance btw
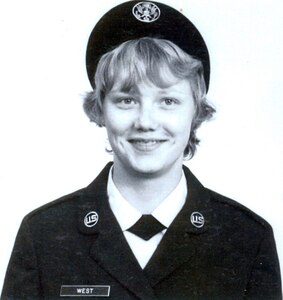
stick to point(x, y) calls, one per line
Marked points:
point(101, 118)
point(101, 122)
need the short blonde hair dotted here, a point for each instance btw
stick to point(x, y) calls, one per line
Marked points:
point(155, 60)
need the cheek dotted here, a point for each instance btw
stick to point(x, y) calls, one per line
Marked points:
point(116, 124)
point(114, 129)
point(180, 129)
point(180, 124)
point(111, 118)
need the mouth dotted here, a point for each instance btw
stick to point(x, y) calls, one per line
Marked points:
point(146, 145)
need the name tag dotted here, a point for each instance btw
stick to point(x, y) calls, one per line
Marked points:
point(85, 290)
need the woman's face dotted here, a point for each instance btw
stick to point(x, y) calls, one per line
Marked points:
point(148, 127)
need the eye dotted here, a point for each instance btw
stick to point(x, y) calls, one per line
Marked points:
point(126, 102)
point(169, 101)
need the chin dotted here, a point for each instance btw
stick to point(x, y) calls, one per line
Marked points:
point(150, 168)
point(144, 166)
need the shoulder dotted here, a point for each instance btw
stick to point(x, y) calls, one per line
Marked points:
point(234, 212)
point(223, 210)
point(65, 210)
point(55, 213)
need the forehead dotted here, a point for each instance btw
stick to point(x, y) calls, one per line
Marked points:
point(162, 80)
point(178, 87)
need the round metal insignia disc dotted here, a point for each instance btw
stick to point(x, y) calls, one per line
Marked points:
point(146, 12)
point(91, 219)
point(197, 219)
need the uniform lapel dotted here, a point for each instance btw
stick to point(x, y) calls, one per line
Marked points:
point(111, 252)
point(110, 249)
point(179, 244)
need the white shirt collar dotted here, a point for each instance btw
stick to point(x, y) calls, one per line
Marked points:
point(165, 213)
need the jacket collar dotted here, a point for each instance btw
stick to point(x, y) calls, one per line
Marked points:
point(94, 199)
point(181, 241)
point(198, 204)
point(177, 246)
point(110, 248)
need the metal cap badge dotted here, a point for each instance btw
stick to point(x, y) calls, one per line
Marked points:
point(146, 12)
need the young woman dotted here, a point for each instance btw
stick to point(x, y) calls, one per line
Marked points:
point(145, 228)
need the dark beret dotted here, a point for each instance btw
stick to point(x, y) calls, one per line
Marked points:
point(135, 19)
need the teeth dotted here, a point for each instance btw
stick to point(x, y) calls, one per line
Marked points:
point(146, 142)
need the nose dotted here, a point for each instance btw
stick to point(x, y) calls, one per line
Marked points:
point(146, 119)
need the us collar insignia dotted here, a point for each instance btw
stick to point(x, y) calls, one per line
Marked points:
point(91, 219)
point(197, 219)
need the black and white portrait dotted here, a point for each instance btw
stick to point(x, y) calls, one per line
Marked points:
point(142, 149)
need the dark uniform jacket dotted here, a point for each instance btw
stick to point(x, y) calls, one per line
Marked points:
point(56, 256)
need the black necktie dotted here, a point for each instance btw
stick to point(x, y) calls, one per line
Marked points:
point(146, 227)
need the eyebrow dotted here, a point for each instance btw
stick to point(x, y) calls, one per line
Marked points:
point(120, 93)
point(124, 89)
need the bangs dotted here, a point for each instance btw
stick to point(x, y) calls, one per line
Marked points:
point(155, 60)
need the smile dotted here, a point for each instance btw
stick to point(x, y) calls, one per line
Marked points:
point(146, 145)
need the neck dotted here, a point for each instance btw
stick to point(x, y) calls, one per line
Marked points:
point(145, 191)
